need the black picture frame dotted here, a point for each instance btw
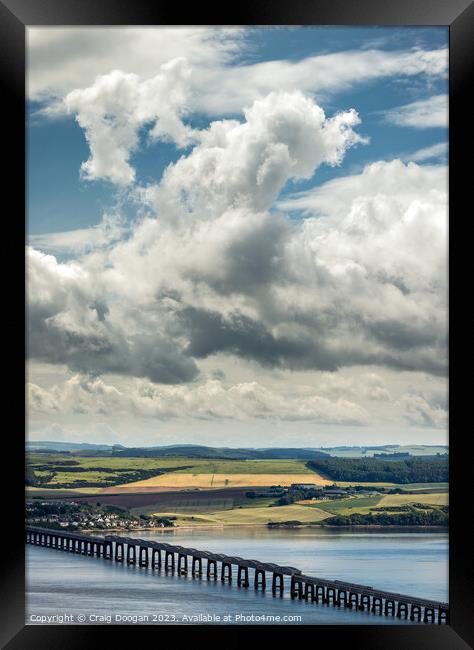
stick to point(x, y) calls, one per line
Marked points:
point(15, 15)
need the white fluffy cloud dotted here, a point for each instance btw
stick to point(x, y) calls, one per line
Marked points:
point(117, 105)
point(284, 136)
point(422, 114)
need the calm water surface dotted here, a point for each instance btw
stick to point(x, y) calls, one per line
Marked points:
point(414, 563)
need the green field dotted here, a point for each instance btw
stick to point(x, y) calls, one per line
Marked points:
point(347, 506)
point(249, 516)
point(366, 504)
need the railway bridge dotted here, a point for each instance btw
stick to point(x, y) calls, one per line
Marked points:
point(197, 563)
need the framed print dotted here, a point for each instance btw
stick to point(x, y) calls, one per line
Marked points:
point(237, 295)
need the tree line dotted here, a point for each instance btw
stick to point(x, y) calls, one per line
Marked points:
point(411, 470)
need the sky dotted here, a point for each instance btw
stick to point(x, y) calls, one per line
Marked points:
point(237, 236)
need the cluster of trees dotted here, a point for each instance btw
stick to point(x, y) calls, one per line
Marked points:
point(412, 470)
point(438, 517)
point(297, 495)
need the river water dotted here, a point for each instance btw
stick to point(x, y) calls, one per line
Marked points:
point(97, 591)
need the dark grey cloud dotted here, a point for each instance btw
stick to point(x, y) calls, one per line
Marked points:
point(209, 332)
point(153, 356)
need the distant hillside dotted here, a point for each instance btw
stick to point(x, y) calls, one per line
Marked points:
point(221, 452)
point(200, 451)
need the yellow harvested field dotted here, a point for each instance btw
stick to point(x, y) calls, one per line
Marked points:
point(402, 499)
point(182, 480)
point(249, 516)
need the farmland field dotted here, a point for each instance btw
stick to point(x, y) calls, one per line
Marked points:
point(402, 499)
point(366, 505)
point(250, 516)
point(188, 480)
point(347, 506)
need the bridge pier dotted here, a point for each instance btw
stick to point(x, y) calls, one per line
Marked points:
point(429, 616)
point(309, 589)
point(331, 593)
point(376, 603)
point(364, 602)
point(108, 550)
point(226, 572)
point(131, 553)
point(242, 576)
point(443, 615)
point(143, 556)
point(277, 583)
point(259, 579)
point(402, 610)
point(156, 558)
point(319, 592)
point(353, 600)
point(196, 566)
point(169, 566)
point(389, 609)
point(213, 573)
point(415, 612)
point(296, 588)
point(341, 598)
point(182, 563)
point(119, 547)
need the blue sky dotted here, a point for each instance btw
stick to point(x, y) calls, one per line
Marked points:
point(237, 236)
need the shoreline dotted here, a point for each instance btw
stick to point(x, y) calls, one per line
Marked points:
point(277, 527)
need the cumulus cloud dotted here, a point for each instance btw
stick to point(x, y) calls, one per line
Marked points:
point(117, 105)
point(422, 114)
point(214, 269)
point(245, 164)
point(211, 399)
